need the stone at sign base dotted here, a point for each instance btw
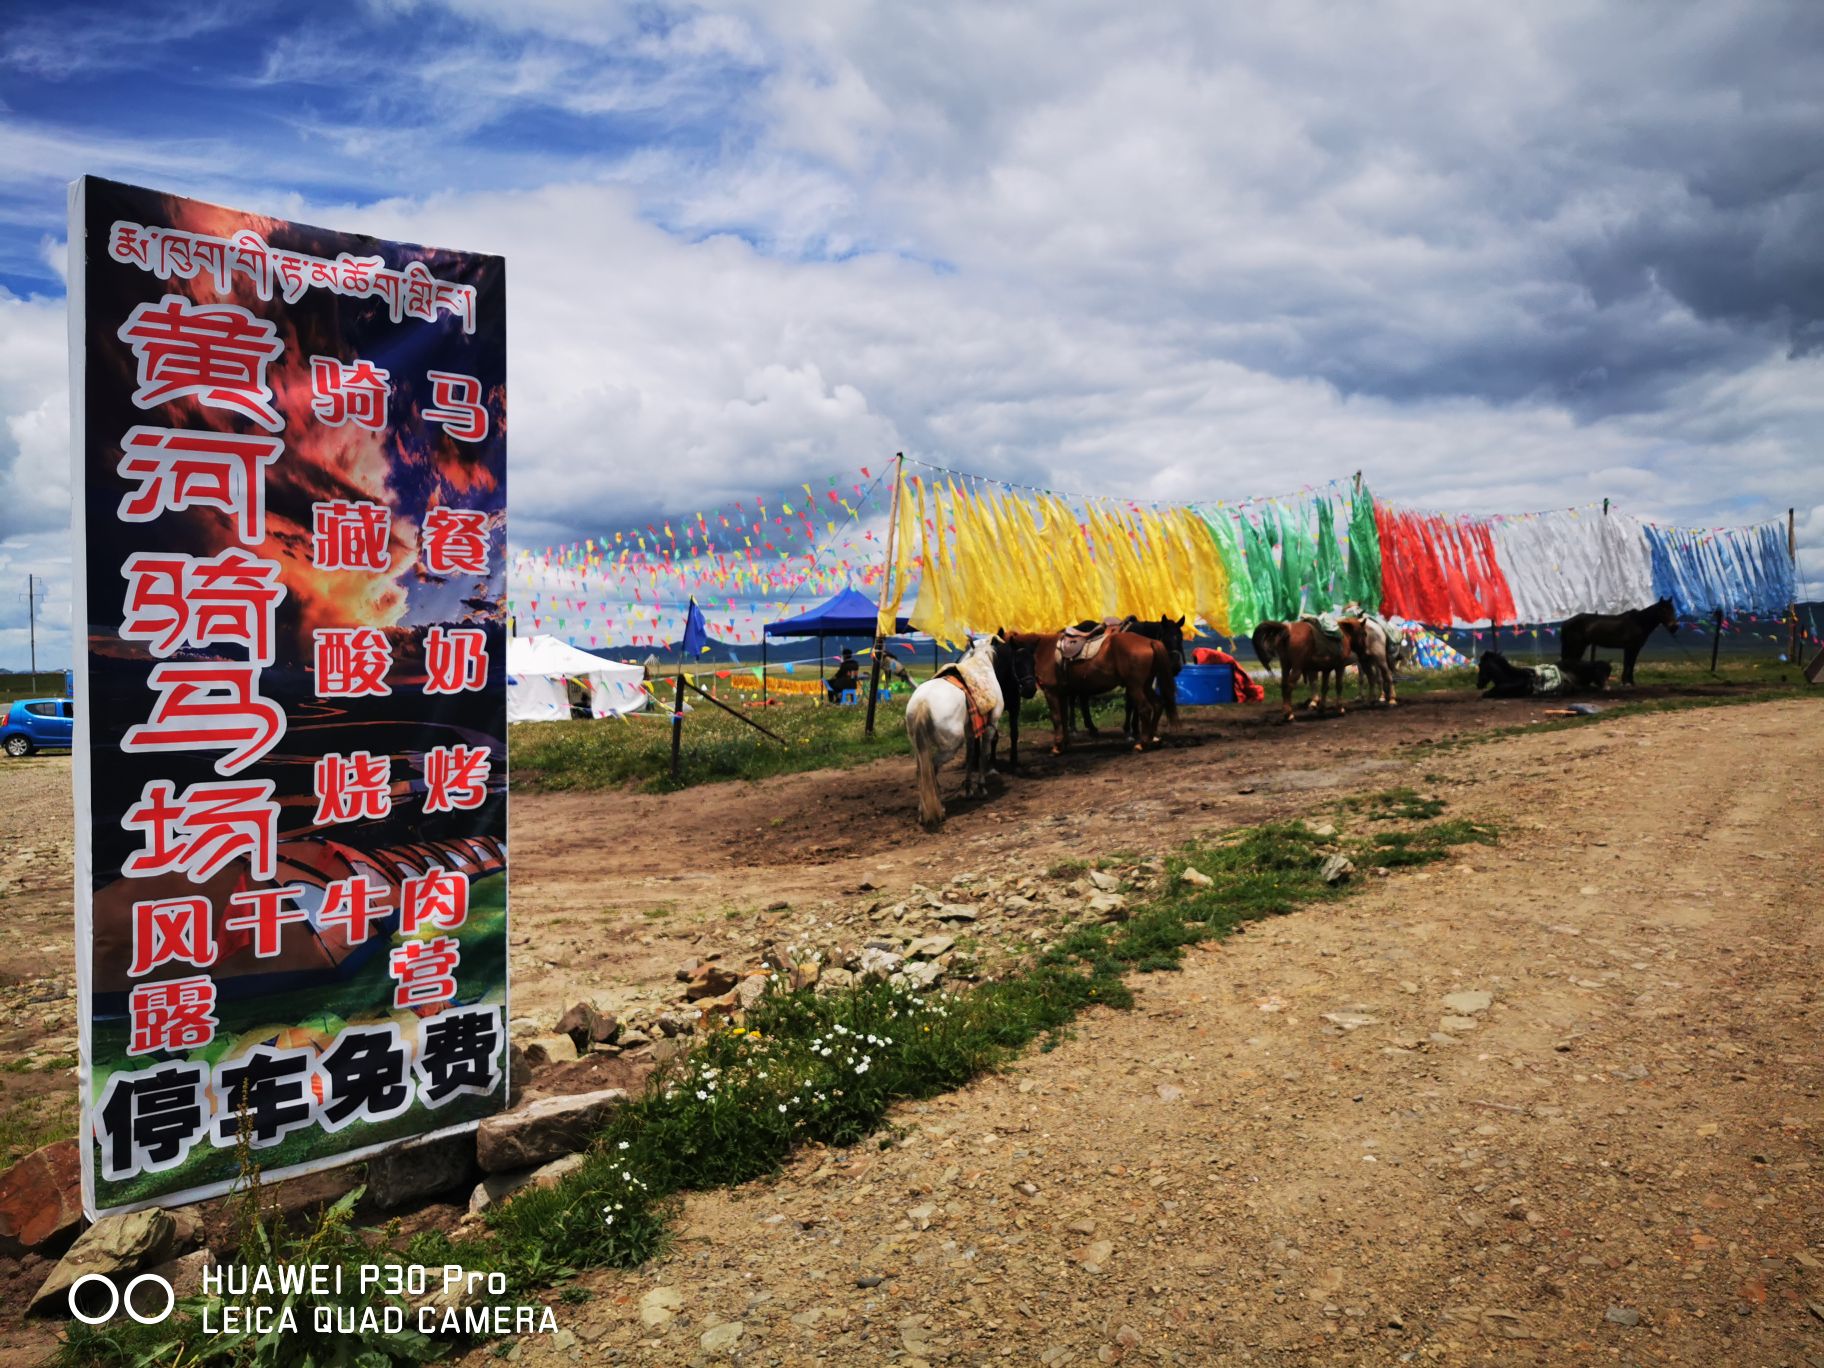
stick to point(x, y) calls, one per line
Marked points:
point(115, 1247)
point(423, 1168)
point(544, 1130)
point(41, 1200)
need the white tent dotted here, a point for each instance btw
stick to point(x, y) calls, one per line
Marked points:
point(538, 666)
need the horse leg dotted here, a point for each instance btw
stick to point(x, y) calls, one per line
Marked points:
point(1285, 688)
point(1089, 723)
point(1341, 705)
point(1139, 704)
point(1319, 677)
point(1629, 654)
point(1059, 703)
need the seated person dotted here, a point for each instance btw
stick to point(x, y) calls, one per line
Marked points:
point(892, 671)
point(847, 675)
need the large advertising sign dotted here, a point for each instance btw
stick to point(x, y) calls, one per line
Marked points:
point(290, 522)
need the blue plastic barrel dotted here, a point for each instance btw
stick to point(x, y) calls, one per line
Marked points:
point(1205, 684)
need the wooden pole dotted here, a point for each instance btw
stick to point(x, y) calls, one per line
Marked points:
point(763, 666)
point(737, 716)
point(899, 465)
point(677, 724)
point(1605, 513)
point(1716, 639)
point(31, 622)
point(1792, 554)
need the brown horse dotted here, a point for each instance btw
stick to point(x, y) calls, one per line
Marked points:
point(1304, 652)
point(1126, 661)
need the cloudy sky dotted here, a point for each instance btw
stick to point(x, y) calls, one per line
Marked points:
point(1496, 257)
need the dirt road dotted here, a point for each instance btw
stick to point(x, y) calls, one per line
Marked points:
point(1617, 1158)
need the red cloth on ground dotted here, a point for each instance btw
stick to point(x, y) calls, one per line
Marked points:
point(1246, 690)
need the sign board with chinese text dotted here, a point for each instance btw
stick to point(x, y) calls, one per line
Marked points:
point(289, 481)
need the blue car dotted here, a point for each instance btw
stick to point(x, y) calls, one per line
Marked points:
point(35, 724)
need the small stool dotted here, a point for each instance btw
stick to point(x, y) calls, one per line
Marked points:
point(847, 698)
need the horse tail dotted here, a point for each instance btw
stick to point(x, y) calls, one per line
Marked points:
point(1268, 641)
point(921, 729)
point(1167, 681)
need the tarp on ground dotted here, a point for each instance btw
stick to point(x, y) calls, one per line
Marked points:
point(538, 666)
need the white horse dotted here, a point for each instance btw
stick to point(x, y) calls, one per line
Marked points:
point(1382, 654)
point(937, 724)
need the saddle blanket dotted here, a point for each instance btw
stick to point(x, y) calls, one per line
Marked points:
point(976, 679)
point(1548, 680)
point(1324, 622)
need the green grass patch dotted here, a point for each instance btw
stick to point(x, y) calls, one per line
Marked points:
point(32, 1122)
point(1394, 805)
point(1396, 849)
point(38, 1064)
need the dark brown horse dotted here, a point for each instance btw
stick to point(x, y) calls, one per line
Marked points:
point(1304, 652)
point(1626, 632)
point(1126, 661)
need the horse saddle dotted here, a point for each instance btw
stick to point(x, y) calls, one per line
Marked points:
point(981, 716)
point(1548, 680)
point(1324, 623)
point(1085, 641)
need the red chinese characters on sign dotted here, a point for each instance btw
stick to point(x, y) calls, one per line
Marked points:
point(455, 778)
point(425, 971)
point(350, 536)
point(351, 904)
point(455, 541)
point(199, 834)
point(177, 1014)
point(209, 706)
point(265, 912)
point(214, 353)
point(456, 405)
point(352, 662)
point(342, 393)
point(178, 470)
point(170, 929)
point(437, 896)
point(175, 601)
point(351, 788)
point(456, 660)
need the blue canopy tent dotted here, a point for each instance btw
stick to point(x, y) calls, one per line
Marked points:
point(847, 614)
